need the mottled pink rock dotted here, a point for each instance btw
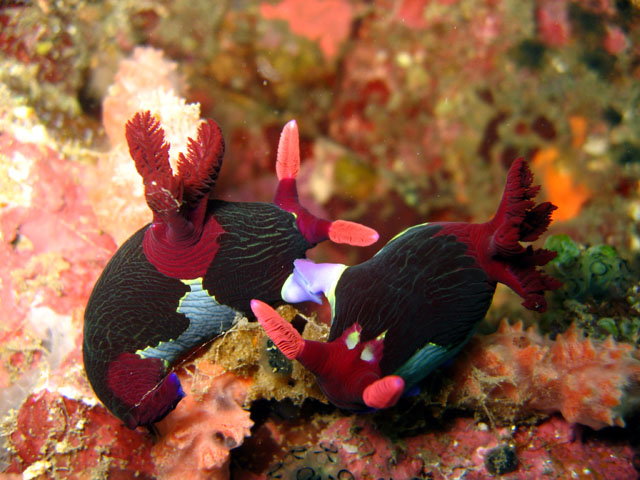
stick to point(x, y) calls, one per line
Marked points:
point(553, 22)
point(324, 21)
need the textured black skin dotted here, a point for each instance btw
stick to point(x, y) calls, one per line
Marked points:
point(256, 254)
point(421, 287)
point(133, 306)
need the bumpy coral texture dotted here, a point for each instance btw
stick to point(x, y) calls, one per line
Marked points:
point(514, 372)
point(147, 70)
point(197, 436)
point(54, 436)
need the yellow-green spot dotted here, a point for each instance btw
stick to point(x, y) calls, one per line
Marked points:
point(353, 339)
point(331, 294)
point(367, 354)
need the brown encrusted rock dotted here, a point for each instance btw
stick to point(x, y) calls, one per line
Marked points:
point(244, 351)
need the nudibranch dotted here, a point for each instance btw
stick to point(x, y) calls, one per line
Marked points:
point(186, 277)
point(410, 308)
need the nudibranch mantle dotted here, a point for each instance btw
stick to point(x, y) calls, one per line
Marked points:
point(419, 298)
point(205, 315)
point(186, 277)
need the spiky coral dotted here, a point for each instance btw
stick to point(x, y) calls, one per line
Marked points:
point(515, 372)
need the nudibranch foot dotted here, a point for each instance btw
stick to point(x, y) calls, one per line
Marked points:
point(313, 228)
point(146, 393)
point(309, 281)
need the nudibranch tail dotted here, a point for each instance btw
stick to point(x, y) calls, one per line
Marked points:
point(313, 228)
point(281, 332)
point(145, 392)
point(384, 393)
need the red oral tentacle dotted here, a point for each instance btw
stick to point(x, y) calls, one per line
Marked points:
point(384, 393)
point(281, 332)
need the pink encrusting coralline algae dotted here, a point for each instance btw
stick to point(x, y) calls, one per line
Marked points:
point(196, 438)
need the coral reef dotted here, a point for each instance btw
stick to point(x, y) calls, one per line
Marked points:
point(351, 447)
point(600, 292)
point(596, 272)
point(409, 111)
point(245, 350)
point(514, 373)
point(56, 436)
point(52, 251)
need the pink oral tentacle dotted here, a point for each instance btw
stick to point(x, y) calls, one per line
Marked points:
point(383, 393)
point(351, 233)
point(288, 158)
point(281, 332)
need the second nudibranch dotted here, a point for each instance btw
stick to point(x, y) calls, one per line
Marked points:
point(186, 277)
point(413, 306)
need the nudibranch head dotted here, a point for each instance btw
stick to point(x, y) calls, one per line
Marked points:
point(314, 229)
point(347, 368)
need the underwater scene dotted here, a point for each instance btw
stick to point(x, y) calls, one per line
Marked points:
point(320, 239)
